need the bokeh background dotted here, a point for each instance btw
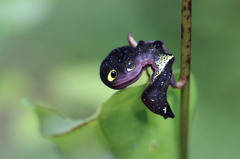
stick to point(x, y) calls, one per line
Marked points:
point(50, 52)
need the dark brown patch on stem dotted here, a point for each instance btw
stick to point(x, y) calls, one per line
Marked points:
point(188, 59)
point(188, 77)
point(190, 6)
point(184, 8)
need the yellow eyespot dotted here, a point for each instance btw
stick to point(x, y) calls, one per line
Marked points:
point(112, 75)
point(130, 65)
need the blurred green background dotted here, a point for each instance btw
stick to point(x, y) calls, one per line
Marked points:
point(50, 52)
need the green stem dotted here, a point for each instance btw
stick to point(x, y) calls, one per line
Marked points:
point(185, 75)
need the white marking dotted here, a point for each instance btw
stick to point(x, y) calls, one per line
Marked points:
point(162, 62)
point(165, 110)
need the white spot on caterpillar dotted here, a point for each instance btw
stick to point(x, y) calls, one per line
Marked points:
point(165, 110)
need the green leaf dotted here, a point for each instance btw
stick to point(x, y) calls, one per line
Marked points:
point(124, 128)
point(135, 132)
point(87, 142)
point(74, 138)
point(53, 124)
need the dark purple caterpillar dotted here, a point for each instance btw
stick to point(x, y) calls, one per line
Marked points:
point(123, 66)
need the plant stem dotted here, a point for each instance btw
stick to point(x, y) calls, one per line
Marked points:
point(185, 75)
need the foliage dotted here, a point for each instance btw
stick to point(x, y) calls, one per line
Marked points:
point(123, 128)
